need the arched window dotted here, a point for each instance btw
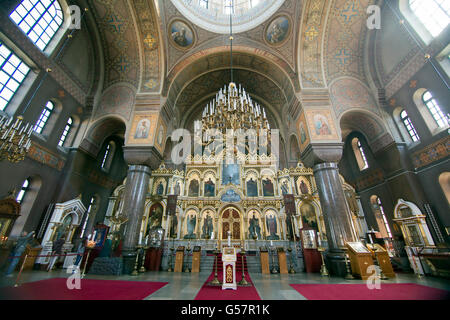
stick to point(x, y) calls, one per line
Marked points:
point(409, 126)
point(380, 217)
point(359, 154)
point(43, 118)
point(204, 3)
point(12, 73)
point(39, 19)
point(108, 155)
point(435, 109)
point(89, 212)
point(66, 132)
point(433, 14)
point(23, 191)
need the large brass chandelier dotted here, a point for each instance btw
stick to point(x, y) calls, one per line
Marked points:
point(233, 109)
point(15, 139)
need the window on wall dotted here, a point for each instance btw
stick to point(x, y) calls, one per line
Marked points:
point(91, 208)
point(12, 73)
point(359, 154)
point(66, 131)
point(381, 218)
point(204, 3)
point(433, 14)
point(43, 118)
point(229, 6)
point(105, 157)
point(23, 191)
point(435, 109)
point(39, 19)
point(409, 126)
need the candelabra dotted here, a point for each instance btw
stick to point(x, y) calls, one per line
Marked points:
point(170, 260)
point(291, 268)
point(188, 249)
point(243, 282)
point(349, 275)
point(215, 281)
point(135, 271)
point(381, 276)
point(15, 139)
point(142, 268)
point(323, 268)
point(89, 246)
point(274, 270)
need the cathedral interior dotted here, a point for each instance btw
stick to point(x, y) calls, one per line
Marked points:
point(115, 121)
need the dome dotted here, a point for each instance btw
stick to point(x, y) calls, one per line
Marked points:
point(214, 15)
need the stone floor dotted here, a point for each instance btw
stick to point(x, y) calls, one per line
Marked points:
point(184, 286)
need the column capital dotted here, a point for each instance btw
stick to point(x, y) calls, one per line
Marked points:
point(144, 156)
point(317, 153)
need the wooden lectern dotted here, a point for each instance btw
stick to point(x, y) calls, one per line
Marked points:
point(382, 256)
point(179, 259)
point(229, 268)
point(282, 260)
point(264, 259)
point(196, 254)
point(360, 259)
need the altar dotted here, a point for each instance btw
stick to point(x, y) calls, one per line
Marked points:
point(229, 268)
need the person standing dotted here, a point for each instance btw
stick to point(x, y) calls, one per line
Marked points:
point(20, 247)
point(56, 251)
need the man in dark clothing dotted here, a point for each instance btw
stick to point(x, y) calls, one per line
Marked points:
point(56, 251)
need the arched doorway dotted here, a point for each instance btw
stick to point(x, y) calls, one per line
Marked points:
point(231, 221)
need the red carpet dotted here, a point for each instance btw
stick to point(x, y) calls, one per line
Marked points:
point(388, 291)
point(56, 289)
point(216, 293)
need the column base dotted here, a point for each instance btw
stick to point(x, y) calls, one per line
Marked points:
point(129, 261)
point(335, 262)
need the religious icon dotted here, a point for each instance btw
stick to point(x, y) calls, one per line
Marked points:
point(230, 174)
point(193, 188)
point(177, 188)
point(254, 229)
point(303, 187)
point(191, 222)
point(268, 188)
point(173, 226)
point(181, 34)
point(252, 188)
point(142, 129)
point(277, 30)
point(302, 133)
point(308, 213)
point(210, 188)
point(154, 217)
point(207, 227)
point(160, 189)
point(160, 135)
point(284, 187)
point(321, 125)
point(271, 224)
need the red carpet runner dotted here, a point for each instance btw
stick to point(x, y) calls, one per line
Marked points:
point(56, 289)
point(388, 291)
point(216, 292)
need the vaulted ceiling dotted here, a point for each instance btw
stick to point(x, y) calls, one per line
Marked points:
point(324, 42)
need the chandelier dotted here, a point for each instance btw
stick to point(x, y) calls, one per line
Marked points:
point(233, 109)
point(15, 139)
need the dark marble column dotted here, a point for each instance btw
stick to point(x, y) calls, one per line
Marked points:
point(336, 214)
point(136, 188)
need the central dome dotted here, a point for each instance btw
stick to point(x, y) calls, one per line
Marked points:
point(214, 15)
